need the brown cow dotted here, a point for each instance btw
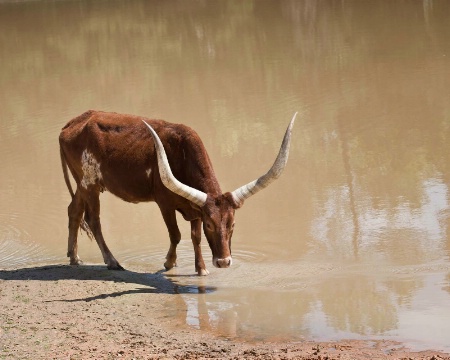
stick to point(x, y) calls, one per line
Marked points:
point(168, 165)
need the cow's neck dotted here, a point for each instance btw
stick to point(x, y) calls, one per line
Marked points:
point(198, 171)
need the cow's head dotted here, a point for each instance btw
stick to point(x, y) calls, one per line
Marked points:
point(218, 211)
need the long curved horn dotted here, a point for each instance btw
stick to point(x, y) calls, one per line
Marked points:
point(244, 192)
point(196, 196)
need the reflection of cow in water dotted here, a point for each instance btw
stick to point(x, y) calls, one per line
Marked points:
point(138, 160)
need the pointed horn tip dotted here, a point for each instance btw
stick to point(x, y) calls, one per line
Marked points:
point(145, 122)
point(291, 124)
point(294, 117)
point(152, 131)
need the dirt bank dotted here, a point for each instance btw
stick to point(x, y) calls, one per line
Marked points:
point(88, 312)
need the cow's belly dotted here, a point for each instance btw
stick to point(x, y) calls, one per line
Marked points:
point(129, 188)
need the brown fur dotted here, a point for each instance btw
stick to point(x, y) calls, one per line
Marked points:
point(124, 148)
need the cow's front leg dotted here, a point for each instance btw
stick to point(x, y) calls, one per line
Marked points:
point(196, 236)
point(175, 236)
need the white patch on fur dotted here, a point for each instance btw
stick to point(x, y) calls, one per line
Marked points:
point(148, 172)
point(91, 169)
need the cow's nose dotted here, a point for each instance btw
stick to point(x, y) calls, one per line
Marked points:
point(223, 263)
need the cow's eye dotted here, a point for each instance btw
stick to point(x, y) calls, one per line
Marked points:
point(209, 226)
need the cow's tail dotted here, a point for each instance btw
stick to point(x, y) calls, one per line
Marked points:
point(66, 173)
point(83, 225)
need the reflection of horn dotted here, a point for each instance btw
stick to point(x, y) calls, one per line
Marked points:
point(244, 192)
point(196, 196)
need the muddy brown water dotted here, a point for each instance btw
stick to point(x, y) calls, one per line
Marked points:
point(353, 241)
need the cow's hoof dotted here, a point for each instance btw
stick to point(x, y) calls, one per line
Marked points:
point(76, 262)
point(115, 267)
point(169, 265)
point(202, 272)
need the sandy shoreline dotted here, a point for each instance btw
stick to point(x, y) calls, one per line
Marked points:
point(88, 312)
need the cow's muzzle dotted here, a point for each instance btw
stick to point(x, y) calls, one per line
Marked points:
point(223, 263)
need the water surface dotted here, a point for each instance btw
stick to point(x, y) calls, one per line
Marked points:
point(353, 240)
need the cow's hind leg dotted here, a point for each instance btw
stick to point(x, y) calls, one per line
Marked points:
point(93, 219)
point(75, 212)
point(175, 236)
point(196, 236)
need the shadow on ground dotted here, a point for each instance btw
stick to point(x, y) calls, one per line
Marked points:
point(156, 283)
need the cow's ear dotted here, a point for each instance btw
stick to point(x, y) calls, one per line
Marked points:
point(195, 206)
point(235, 203)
